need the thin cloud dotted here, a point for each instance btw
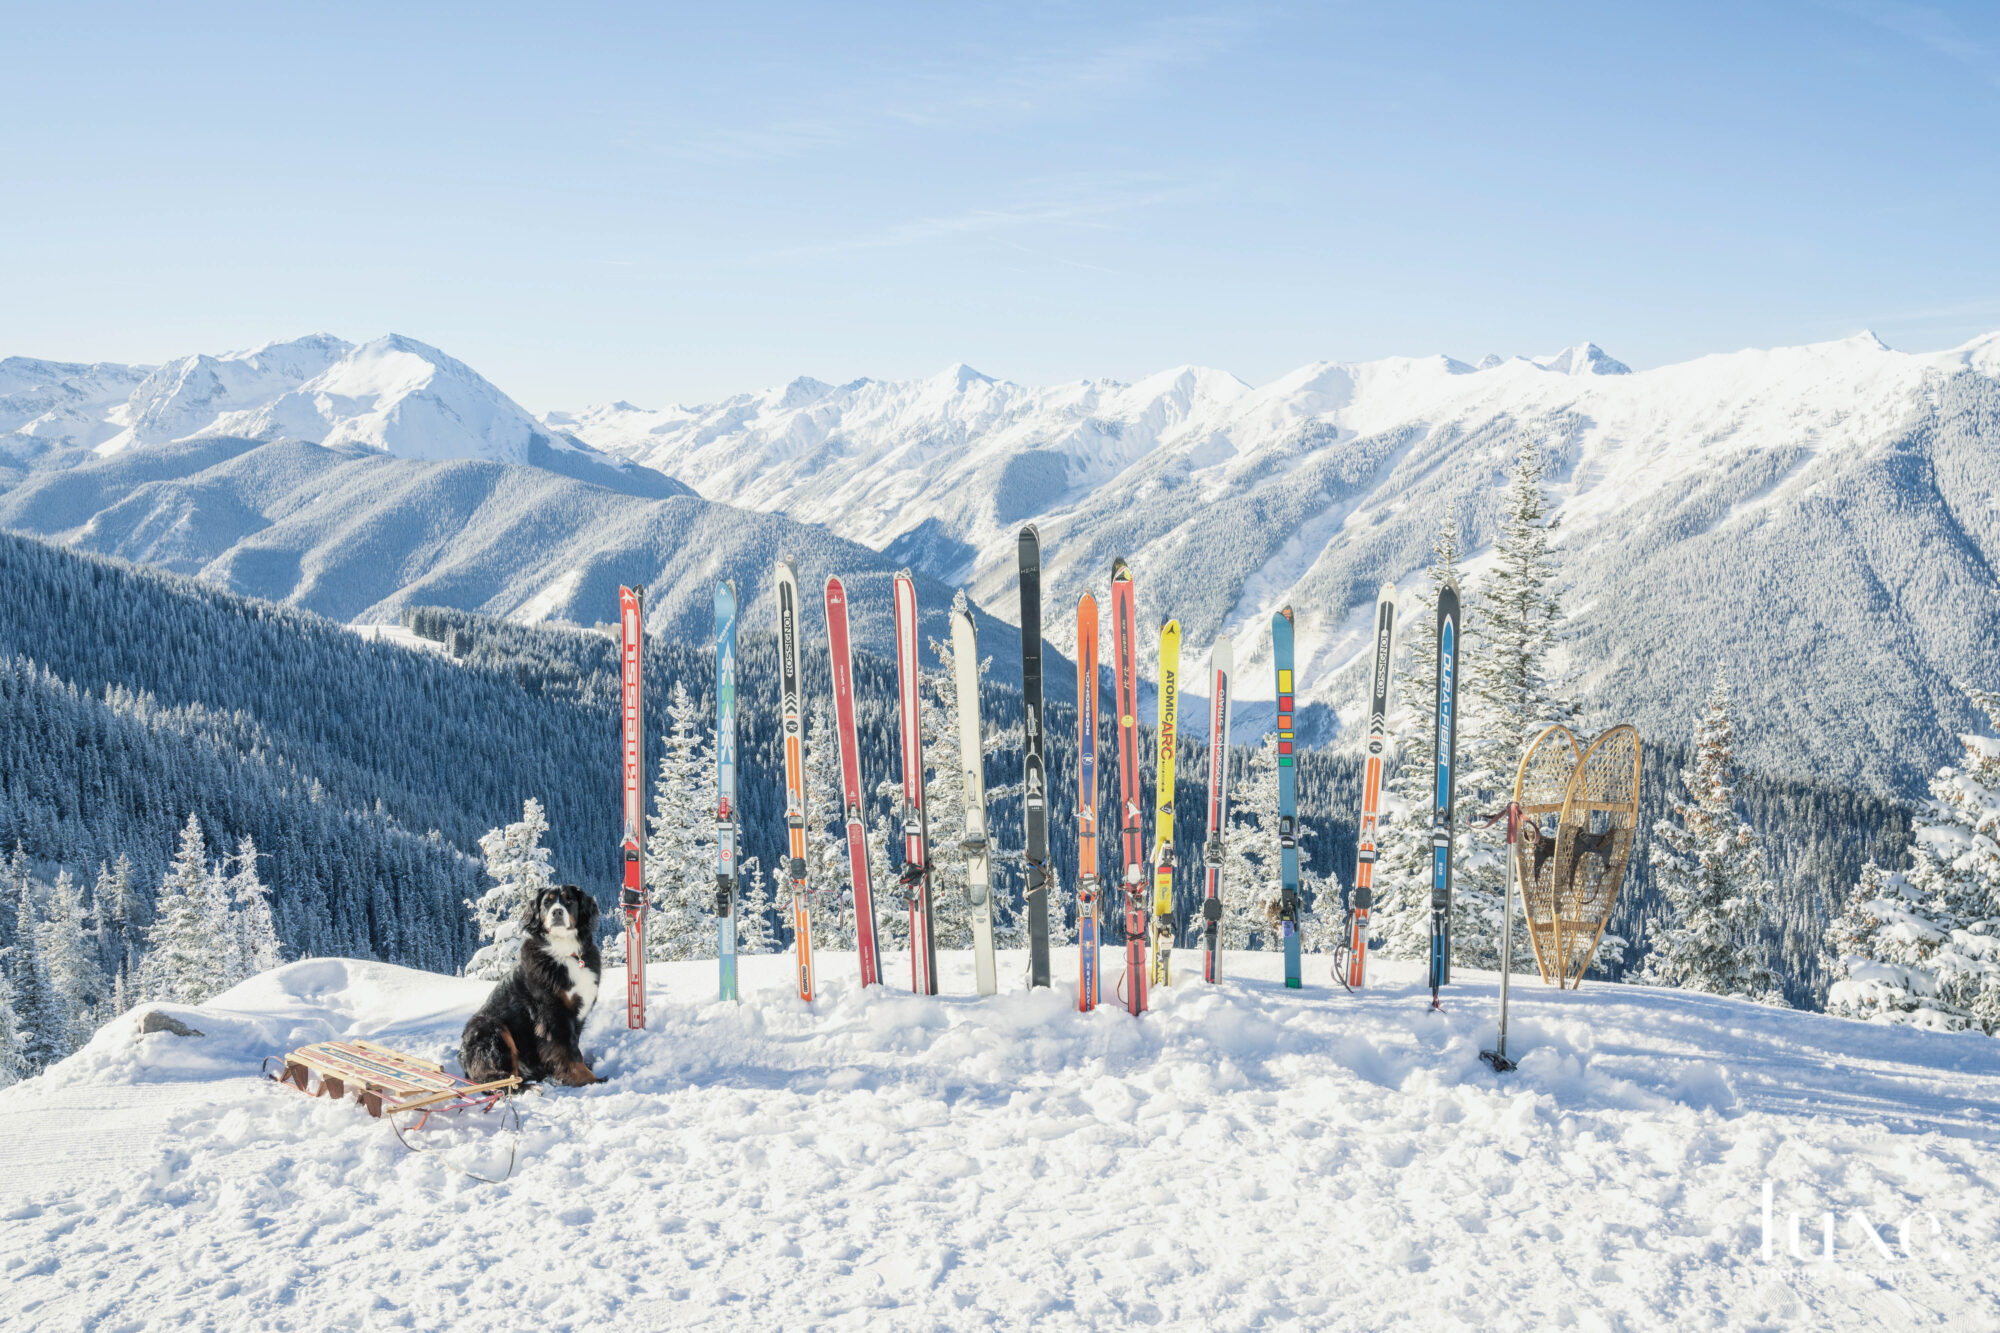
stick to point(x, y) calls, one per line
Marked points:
point(947, 96)
point(1934, 29)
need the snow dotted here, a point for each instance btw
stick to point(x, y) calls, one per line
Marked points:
point(1243, 1157)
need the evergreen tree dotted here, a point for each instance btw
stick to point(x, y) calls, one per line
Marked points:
point(190, 947)
point(1923, 946)
point(831, 902)
point(41, 1033)
point(680, 843)
point(11, 1069)
point(111, 911)
point(518, 865)
point(1400, 920)
point(1709, 866)
point(1252, 885)
point(69, 960)
point(1511, 694)
point(756, 908)
point(258, 947)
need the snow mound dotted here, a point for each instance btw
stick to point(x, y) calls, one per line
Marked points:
point(1243, 1157)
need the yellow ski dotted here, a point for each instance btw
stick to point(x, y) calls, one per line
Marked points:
point(1163, 810)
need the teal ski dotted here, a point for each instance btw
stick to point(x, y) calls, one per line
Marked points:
point(1288, 801)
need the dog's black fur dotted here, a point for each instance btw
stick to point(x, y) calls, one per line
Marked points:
point(532, 1023)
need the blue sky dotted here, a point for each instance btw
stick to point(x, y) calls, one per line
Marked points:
point(675, 205)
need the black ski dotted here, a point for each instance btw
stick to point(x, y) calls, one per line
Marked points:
point(1034, 777)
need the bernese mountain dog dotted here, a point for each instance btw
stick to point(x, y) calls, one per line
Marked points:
point(532, 1023)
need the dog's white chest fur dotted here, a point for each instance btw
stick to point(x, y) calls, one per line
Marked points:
point(564, 947)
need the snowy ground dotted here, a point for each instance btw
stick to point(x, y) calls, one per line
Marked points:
point(1243, 1157)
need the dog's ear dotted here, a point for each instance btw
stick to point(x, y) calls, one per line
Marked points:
point(586, 912)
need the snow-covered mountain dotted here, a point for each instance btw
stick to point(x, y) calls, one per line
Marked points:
point(394, 395)
point(1660, 1160)
point(1819, 520)
point(356, 535)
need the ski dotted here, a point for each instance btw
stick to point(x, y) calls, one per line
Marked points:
point(1221, 681)
point(1355, 941)
point(725, 784)
point(1163, 805)
point(916, 878)
point(978, 883)
point(1125, 670)
point(1034, 776)
point(841, 651)
point(632, 897)
point(791, 723)
point(1086, 802)
point(1288, 800)
point(1443, 809)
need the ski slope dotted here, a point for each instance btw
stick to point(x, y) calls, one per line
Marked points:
point(1243, 1158)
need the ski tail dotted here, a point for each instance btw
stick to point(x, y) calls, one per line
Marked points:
point(725, 786)
point(839, 648)
point(979, 888)
point(1221, 683)
point(1289, 906)
point(1354, 944)
point(1086, 803)
point(632, 892)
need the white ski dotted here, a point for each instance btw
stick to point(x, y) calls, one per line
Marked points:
point(978, 869)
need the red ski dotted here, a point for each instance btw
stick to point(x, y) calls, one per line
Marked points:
point(1086, 802)
point(1125, 667)
point(632, 898)
point(850, 780)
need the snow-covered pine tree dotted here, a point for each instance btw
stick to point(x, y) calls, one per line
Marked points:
point(1251, 884)
point(831, 902)
point(518, 865)
point(10, 1036)
point(1512, 694)
point(113, 917)
point(41, 1033)
point(69, 960)
point(680, 842)
point(1923, 946)
point(1400, 921)
point(190, 947)
point(756, 908)
point(1710, 866)
point(257, 944)
point(944, 806)
point(892, 916)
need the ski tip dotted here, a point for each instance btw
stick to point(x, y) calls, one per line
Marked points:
point(1030, 535)
point(1284, 614)
point(833, 584)
point(1387, 594)
point(1120, 571)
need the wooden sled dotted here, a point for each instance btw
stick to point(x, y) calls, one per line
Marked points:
point(386, 1082)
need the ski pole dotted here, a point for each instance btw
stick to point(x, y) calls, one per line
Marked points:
point(1498, 1058)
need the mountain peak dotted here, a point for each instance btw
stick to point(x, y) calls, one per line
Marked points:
point(960, 377)
point(1585, 358)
